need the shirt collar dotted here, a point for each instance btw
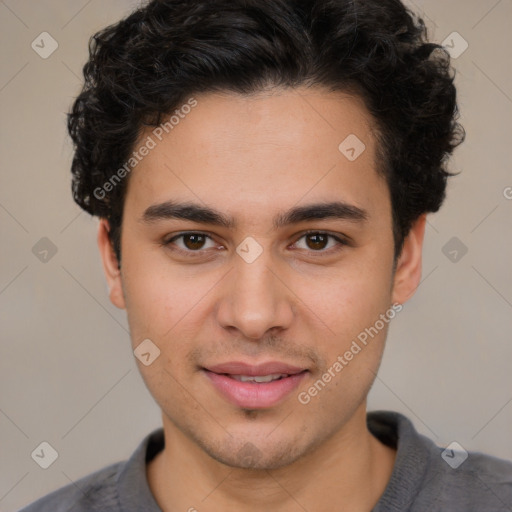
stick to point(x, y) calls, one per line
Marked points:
point(133, 488)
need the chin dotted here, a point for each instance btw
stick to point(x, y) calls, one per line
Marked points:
point(250, 457)
point(248, 450)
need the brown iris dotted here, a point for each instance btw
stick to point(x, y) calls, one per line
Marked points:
point(318, 240)
point(195, 241)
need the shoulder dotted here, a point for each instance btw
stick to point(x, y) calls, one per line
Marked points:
point(480, 482)
point(94, 492)
point(121, 486)
point(429, 477)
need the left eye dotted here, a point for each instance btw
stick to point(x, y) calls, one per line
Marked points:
point(318, 241)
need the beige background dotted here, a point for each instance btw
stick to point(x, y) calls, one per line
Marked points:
point(67, 374)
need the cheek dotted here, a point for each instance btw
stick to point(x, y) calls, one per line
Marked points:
point(346, 300)
point(153, 297)
point(163, 302)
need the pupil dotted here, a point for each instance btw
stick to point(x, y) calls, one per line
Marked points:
point(320, 240)
point(195, 244)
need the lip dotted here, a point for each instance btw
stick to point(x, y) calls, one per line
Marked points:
point(253, 395)
point(254, 370)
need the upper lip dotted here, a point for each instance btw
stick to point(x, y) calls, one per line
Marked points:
point(254, 370)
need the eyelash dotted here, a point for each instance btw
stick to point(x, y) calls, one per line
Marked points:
point(200, 252)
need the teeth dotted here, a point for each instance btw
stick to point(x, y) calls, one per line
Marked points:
point(259, 378)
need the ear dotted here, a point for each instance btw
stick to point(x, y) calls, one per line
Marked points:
point(110, 265)
point(408, 269)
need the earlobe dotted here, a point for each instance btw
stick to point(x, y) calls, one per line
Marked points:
point(110, 265)
point(408, 270)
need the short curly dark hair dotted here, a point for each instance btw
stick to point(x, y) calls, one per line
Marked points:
point(145, 66)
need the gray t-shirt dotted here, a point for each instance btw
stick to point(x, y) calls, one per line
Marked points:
point(423, 480)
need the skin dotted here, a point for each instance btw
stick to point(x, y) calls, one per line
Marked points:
point(252, 157)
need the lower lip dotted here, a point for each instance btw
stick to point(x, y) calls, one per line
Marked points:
point(254, 395)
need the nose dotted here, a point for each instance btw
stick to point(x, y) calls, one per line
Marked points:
point(255, 298)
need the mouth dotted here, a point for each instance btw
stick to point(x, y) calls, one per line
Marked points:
point(258, 378)
point(254, 386)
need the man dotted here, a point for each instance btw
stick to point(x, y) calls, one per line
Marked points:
point(262, 171)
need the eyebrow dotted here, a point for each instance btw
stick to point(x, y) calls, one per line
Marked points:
point(206, 215)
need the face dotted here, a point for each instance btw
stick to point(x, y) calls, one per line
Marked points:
point(249, 280)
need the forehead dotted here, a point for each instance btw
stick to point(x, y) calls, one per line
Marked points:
point(261, 151)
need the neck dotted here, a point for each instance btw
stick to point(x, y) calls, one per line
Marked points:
point(352, 469)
